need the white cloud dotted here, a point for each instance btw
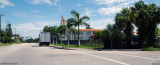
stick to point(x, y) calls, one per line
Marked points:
point(79, 5)
point(44, 2)
point(56, 0)
point(114, 6)
point(5, 3)
point(32, 29)
point(108, 11)
point(111, 2)
point(101, 23)
point(35, 11)
point(88, 12)
point(38, 16)
point(20, 14)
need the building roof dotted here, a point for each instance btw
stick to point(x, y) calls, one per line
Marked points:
point(89, 29)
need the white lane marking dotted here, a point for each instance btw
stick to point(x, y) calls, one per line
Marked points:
point(125, 52)
point(102, 58)
point(133, 56)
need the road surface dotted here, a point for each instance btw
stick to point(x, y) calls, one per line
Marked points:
point(32, 54)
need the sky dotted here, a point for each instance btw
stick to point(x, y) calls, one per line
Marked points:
point(28, 17)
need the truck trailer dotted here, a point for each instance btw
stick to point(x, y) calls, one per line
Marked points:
point(45, 38)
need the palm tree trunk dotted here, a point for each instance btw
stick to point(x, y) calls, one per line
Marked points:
point(78, 36)
point(61, 39)
point(68, 37)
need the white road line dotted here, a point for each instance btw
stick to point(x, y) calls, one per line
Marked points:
point(125, 52)
point(133, 56)
point(102, 58)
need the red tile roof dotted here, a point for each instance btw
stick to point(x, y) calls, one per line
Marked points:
point(89, 29)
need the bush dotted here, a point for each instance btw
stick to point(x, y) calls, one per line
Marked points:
point(157, 45)
point(150, 49)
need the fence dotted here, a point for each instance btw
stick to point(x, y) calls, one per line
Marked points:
point(85, 43)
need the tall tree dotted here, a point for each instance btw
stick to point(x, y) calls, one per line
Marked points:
point(52, 29)
point(124, 22)
point(61, 29)
point(146, 18)
point(76, 20)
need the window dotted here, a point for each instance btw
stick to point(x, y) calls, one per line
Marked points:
point(81, 38)
point(88, 33)
point(89, 38)
point(81, 32)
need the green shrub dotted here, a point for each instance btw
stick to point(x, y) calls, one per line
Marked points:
point(158, 45)
point(150, 49)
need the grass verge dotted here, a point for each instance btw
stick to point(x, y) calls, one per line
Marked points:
point(150, 49)
point(7, 44)
point(75, 46)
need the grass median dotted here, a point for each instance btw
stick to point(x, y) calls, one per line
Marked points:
point(8, 44)
point(87, 45)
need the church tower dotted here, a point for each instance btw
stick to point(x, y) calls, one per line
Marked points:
point(63, 22)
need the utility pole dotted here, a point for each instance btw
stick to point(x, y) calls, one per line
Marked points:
point(0, 28)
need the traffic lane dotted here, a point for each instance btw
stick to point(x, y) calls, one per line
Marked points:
point(34, 55)
point(123, 57)
point(6, 50)
point(155, 55)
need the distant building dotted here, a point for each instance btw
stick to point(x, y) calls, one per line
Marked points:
point(63, 21)
point(84, 34)
point(87, 34)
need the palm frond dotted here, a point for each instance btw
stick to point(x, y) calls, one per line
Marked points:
point(84, 23)
point(75, 14)
point(71, 22)
point(84, 18)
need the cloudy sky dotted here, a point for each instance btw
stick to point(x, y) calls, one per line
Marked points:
point(29, 16)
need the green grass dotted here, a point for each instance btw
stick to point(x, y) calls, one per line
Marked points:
point(88, 45)
point(7, 44)
point(150, 49)
point(158, 45)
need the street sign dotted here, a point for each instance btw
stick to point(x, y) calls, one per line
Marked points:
point(54, 36)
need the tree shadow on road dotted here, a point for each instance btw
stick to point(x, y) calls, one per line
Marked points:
point(64, 48)
point(39, 46)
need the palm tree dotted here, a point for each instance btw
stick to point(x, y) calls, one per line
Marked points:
point(74, 31)
point(124, 22)
point(70, 23)
point(61, 29)
point(70, 30)
point(76, 20)
point(141, 20)
point(146, 18)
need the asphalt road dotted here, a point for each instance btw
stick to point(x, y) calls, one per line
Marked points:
point(32, 54)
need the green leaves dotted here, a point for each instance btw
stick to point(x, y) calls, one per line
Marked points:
point(52, 29)
point(76, 20)
point(62, 29)
point(144, 16)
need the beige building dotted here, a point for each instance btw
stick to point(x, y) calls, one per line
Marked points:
point(63, 21)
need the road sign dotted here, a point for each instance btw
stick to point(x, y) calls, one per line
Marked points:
point(54, 36)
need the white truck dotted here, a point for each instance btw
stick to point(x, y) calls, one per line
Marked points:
point(45, 38)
